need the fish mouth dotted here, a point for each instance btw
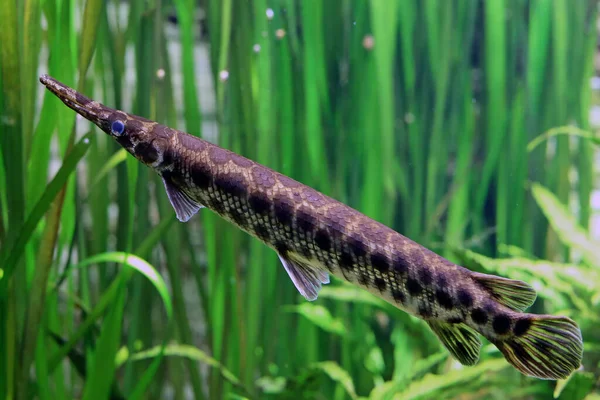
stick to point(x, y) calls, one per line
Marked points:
point(73, 99)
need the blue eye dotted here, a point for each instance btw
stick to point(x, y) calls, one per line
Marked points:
point(117, 128)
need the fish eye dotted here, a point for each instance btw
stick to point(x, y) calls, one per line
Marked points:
point(117, 128)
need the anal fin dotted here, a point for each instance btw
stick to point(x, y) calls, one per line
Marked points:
point(185, 207)
point(460, 340)
point(511, 293)
point(306, 278)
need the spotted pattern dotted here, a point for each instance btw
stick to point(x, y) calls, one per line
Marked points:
point(479, 316)
point(501, 324)
point(297, 220)
point(201, 176)
point(146, 152)
point(522, 326)
point(294, 219)
point(465, 298)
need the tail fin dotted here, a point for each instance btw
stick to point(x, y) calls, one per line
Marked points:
point(543, 346)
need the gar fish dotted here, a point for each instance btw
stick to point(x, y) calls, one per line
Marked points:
point(316, 235)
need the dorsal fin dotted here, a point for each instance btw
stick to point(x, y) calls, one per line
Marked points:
point(513, 294)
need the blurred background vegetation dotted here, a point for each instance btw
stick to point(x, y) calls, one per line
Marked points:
point(464, 124)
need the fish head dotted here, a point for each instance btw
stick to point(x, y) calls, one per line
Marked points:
point(147, 140)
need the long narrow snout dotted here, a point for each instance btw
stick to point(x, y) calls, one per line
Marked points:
point(91, 110)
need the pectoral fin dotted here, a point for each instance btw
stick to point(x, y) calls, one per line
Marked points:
point(185, 207)
point(306, 278)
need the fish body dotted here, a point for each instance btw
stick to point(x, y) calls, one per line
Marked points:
point(317, 236)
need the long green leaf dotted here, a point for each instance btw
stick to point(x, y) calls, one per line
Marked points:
point(565, 224)
point(11, 254)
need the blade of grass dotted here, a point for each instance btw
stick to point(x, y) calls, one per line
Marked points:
point(11, 142)
point(495, 81)
point(11, 257)
point(44, 261)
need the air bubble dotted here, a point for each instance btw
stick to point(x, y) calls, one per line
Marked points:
point(368, 42)
point(223, 75)
point(256, 48)
point(270, 14)
point(280, 34)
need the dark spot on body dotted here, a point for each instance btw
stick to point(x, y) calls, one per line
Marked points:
point(346, 261)
point(464, 297)
point(146, 152)
point(479, 316)
point(232, 184)
point(399, 265)
point(444, 299)
point(363, 279)
point(261, 231)
point(441, 279)
point(241, 161)
point(413, 287)
point(425, 276)
point(380, 283)
point(379, 261)
point(322, 240)
point(259, 203)
point(522, 326)
point(398, 295)
point(281, 247)
point(501, 324)
point(357, 246)
point(218, 155)
point(454, 320)
point(168, 157)
point(306, 220)
point(284, 210)
point(201, 175)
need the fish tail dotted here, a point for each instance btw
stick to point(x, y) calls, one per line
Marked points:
point(543, 346)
